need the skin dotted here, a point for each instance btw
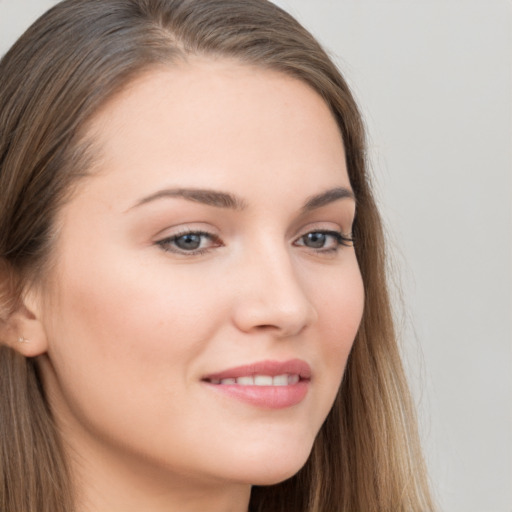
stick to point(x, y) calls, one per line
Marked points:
point(126, 328)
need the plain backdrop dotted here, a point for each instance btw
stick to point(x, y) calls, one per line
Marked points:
point(434, 81)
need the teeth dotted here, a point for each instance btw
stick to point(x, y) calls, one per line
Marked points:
point(293, 379)
point(280, 380)
point(260, 380)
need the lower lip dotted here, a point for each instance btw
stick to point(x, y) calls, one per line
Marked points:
point(265, 397)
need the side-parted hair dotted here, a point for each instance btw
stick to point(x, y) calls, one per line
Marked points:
point(68, 64)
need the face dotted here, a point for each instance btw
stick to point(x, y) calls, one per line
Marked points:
point(206, 293)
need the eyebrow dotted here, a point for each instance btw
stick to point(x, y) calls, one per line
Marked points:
point(226, 200)
point(204, 196)
point(327, 197)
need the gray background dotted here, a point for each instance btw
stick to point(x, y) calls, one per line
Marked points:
point(434, 80)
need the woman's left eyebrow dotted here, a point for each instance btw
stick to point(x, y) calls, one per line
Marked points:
point(327, 197)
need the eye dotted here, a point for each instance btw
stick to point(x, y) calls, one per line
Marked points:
point(324, 241)
point(190, 242)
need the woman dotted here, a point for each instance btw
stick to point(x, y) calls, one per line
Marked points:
point(193, 316)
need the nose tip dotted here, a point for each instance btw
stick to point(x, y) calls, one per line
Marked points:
point(274, 301)
point(283, 321)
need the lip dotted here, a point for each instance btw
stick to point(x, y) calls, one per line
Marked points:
point(272, 368)
point(266, 397)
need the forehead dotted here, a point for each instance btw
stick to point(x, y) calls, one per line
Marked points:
point(212, 119)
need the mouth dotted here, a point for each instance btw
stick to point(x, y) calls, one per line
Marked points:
point(258, 380)
point(266, 384)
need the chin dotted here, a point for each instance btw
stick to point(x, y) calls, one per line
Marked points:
point(273, 477)
point(272, 468)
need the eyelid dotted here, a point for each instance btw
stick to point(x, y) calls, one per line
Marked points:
point(166, 242)
point(333, 226)
point(343, 239)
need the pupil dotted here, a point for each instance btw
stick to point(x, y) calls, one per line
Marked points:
point(189, 241)
point(316, 240)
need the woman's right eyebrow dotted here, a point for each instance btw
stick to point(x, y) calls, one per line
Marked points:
point(205, 196)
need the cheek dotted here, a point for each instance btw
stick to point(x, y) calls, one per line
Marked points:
point(121, 328)
point(132, 306)
point(123, 344)
point(340, 309)
point(340, 304)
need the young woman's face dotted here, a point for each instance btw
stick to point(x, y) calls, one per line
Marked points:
point(205, 294)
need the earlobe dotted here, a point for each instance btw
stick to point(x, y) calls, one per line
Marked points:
point(23, 330)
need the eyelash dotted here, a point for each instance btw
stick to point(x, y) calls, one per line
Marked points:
point(169, 244)
point(341, 240)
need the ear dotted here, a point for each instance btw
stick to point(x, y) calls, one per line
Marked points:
point(23, 329)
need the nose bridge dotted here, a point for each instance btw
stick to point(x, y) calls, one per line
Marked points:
point(273, 296)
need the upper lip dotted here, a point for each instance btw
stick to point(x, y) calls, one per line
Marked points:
point(271, 368)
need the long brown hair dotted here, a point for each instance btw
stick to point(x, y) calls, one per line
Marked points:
point(60, 72)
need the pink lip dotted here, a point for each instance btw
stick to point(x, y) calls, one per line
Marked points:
point(272, 368)
point(267, 397)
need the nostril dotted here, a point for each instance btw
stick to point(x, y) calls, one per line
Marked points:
point(274, 318)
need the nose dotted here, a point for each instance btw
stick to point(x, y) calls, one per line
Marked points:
point(270, 296)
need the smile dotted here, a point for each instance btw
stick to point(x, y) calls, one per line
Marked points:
point(259, 380)
point(266, 384)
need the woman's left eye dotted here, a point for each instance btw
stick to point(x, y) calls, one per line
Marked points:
point(324, 241)
point(191, 242)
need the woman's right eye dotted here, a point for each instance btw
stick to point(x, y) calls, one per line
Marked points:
point(190, 243)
